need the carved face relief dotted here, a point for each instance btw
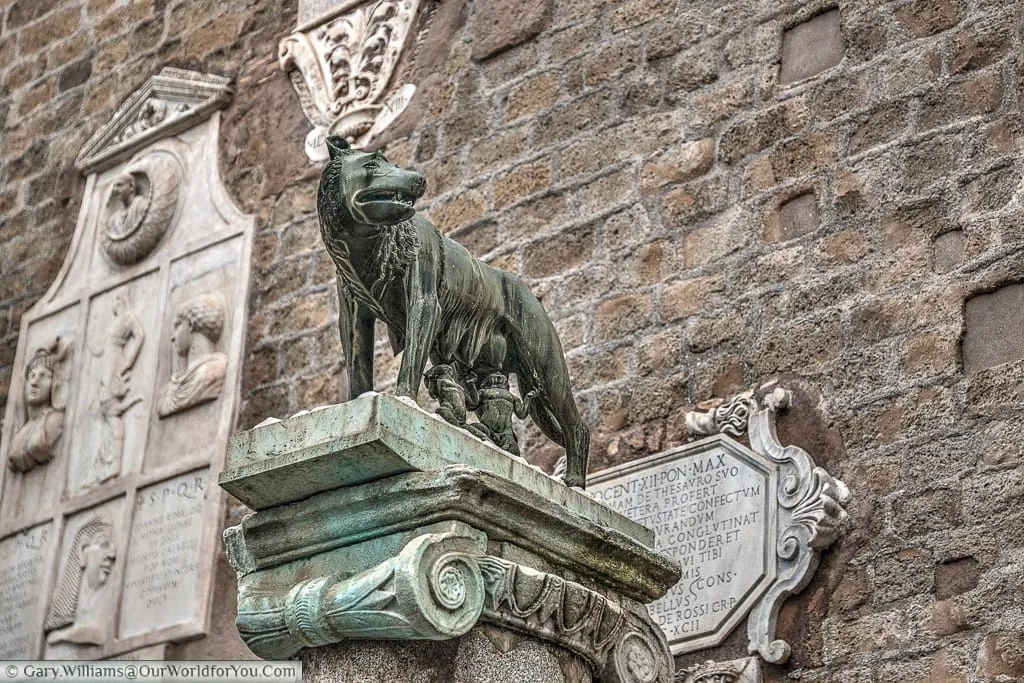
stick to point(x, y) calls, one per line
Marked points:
point(124, 188)
point(38, 386)
point(78, 611)
point(181, 336)
point(97, 562)
point(34, 443)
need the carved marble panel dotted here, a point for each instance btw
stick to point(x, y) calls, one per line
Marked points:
point(163, 564)
point(80, 614)
point(194, 370)
point(22, 560)
point(117, 372)
point(152, 294)
point(34, 445)
point(746, 524)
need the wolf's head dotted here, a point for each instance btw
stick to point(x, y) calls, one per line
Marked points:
point(367, 186)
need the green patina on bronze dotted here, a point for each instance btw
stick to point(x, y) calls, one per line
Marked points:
point(439, 302)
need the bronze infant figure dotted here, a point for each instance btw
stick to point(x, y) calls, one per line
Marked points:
point(437, 300)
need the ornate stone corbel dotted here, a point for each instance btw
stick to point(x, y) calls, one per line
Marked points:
point(342, 67)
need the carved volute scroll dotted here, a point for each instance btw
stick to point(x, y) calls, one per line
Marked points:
point(199, 367)
point(343, 66)
point(42, 426)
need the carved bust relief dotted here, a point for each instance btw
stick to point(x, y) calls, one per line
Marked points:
point(77, 612)
point(199, 368)
point(35, 441)
point(139, 209)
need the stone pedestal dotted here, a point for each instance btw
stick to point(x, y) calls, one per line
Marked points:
point(389, 545)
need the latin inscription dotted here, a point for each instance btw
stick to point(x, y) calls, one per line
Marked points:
point(161, 577)
point(708, 511)
point(21, 563)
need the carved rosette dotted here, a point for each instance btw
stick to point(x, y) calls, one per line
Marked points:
point(440, 586)
point(342, 70)
point(811, 513)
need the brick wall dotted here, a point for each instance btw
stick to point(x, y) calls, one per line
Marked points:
point(705, 194)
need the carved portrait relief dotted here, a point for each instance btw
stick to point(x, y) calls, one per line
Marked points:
point(121, 351)
point(199, 368)
point(77, 614)
point(34, 443)
point(139, 209)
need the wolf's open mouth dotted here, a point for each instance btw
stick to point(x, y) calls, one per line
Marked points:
point(397, 196)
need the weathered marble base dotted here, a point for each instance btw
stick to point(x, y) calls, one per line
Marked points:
point(387, 539)
point(486, 654)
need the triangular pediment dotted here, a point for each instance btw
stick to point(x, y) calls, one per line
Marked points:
point(169, 102)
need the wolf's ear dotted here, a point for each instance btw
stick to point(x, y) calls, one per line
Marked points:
point(337, 145)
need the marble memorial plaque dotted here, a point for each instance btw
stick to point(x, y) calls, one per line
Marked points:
point(125, 390)
point(163, 554)
point(314, 11)
point(709, 506)
point(747, 525)
point(22, 557)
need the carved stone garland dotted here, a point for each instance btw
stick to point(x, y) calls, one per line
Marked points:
point(342, 71)
point(811, 514)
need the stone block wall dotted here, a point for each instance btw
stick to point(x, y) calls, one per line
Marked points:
point(705, 194)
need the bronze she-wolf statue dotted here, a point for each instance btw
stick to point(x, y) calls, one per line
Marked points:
point(475, 323)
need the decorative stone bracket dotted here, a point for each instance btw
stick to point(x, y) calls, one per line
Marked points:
point(810, 513)
point(342, 67)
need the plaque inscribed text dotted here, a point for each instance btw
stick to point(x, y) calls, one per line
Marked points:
point(163, 554)
point(21, 566)
point(108, 526)
point(747, 525)
point(709, 506)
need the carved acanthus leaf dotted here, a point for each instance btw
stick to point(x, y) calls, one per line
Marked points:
point(343, 69)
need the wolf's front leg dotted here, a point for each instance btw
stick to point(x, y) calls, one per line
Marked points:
point(422, 315)
point(355, 324)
